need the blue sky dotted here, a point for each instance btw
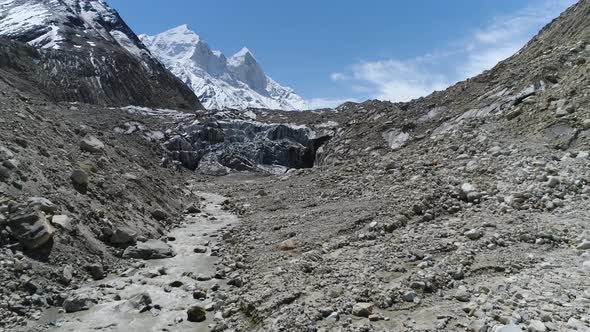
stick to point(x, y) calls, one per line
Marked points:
point(330, 51)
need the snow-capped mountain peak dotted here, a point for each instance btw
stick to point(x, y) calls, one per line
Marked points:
point(89, 53)
point(242, 55)
point(58, 23)
point(238, 82)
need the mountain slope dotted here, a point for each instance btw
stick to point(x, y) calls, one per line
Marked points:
point(85, 52)
point(238, 82)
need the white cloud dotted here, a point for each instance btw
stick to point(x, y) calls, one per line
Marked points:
point(398, 80)
point(338, 77)
point(405, 79)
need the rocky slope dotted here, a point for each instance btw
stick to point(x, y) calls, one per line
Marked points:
point(462, 211)
point(81, 50)
point(238, 82)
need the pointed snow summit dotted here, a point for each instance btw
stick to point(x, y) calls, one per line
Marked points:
point(238, 82)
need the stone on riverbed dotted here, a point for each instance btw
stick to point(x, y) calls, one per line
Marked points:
point(196, 314)
point(83, 300)
point(151, 249)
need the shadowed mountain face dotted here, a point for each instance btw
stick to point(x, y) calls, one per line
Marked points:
point(82, 51)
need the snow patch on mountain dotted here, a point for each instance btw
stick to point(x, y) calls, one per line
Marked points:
point(238, 82)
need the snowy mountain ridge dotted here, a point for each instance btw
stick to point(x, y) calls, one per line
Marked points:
point(238, 82)
point(85, 52)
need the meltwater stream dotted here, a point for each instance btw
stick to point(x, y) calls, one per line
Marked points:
point(173, 302)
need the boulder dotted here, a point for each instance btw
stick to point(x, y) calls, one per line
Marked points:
point(151, 249)
point(91, 144)
point(584, 245)
point(123, 235)
point(96, 271)
point(467, 191)
point(5, 154)
point(213, 168)
point(287, 245)
point(194, 208)
point(79, 177)
point(81, 300)
point(137, 303)
point(4, 173)
point(363, 309)
point(462, 294)
point(196, 314)
point(474, 234)
point(62, 221)
point(509, 328)
point(200, 250)
point(159, 215)
point(478, 326)
point(43, 204)
point(537, 326)
point(11, 163)
point(29, 226)
point(67, 274)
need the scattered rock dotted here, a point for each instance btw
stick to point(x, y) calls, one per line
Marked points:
point(585, 245)
point(62, 221)
point(81, 300)
point(137, 303)
point(193, 209)
point(478, 326)
point(11, 164)
point(79, 177)
point(44, 204)
point(409, 296)
point(123, 235)
point(462, 294)
point(196, 314)
point(67, 274)
point(200, 250)
point(553, 181)
point(5, 154)
point(159, 215)
point(474, 234)
point(287, 245)
point(509, 328)
point(91, 144)
point(537, 326)
point(96, 271)
point(363, 309)
point(151, 249)
point(29, 226)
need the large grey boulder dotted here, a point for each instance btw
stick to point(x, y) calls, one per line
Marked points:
point(91, 144)
point(81, 300)
point(151, 249)
point(123, 235)
point(213, 168)
point(29, 226)
point(79, 177)
point(5, 154)
point(136, 303)
point(196, 314)
point(44, 204)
